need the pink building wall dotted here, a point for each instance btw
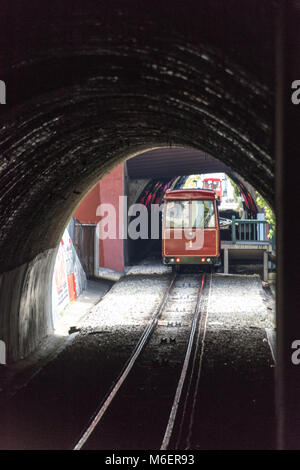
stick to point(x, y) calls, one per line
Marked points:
point(106, 191)
point(86, 211)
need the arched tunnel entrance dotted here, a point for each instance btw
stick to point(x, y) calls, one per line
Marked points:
point(151, 174)
point(108, 331)
point(64, 140)
point(119, 223)
point(96, 245)
point(89, 88)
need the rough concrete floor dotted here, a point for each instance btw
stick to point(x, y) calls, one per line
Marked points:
point(51, 411)
point(236, 391)
point(17, 375)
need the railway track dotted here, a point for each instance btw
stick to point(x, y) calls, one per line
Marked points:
point(146, 407)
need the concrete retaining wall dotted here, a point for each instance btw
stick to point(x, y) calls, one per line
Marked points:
point(25, 316)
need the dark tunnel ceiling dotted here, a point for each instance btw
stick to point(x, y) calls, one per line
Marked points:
point(174, 162)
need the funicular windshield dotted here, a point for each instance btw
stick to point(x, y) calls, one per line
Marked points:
point(191, 214)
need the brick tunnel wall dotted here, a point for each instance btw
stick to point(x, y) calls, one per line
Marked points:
point(92, 83)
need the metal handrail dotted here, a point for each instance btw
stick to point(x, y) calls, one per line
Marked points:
point(245, 229)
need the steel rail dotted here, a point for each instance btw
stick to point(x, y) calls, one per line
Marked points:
point(174, 409)
point(112, 393)
point(200, 339)
point(199, 345)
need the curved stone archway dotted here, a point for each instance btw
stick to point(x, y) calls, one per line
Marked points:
point(89, 86)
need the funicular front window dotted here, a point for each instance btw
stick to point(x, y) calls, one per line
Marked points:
point(191, 214)
point(202, 214)
point(177, 214)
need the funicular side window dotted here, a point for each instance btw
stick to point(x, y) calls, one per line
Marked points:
point(203, 214)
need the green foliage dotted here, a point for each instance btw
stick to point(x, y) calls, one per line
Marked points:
point(192, 181)
point(270, 216)
point(236, 190)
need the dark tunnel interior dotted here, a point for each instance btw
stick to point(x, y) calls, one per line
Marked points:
point(91, 84)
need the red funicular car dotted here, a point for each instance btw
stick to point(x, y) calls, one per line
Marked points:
point(215, 184)
point(190, 232)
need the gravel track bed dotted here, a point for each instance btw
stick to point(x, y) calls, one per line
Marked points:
point(239, 301)
point(138, 417)
point(235, 405)
point(51, 411)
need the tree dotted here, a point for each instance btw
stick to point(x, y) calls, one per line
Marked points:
point(236, 190)
point(270, 216)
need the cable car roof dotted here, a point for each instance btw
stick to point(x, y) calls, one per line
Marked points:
point(195, 194)
point(212, 179)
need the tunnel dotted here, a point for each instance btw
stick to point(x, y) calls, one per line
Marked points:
point(150, 174)
point(89, 85)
